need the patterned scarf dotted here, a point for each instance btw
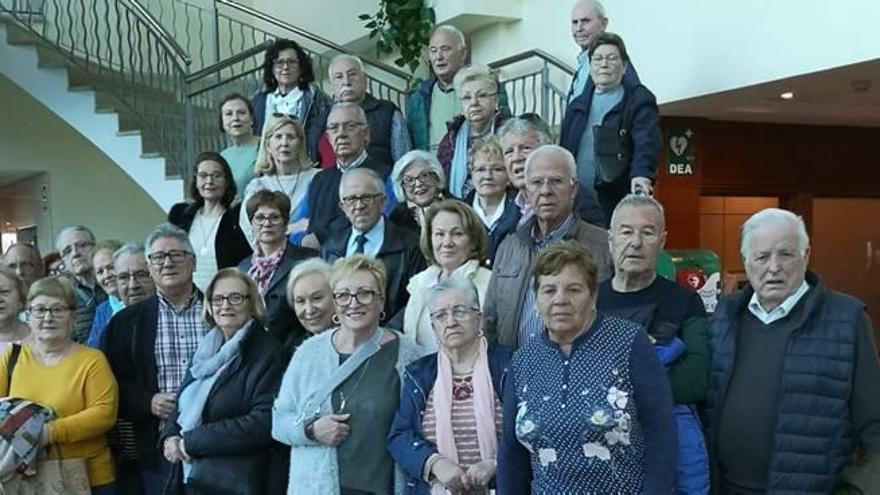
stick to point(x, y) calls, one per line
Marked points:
point(263, 268)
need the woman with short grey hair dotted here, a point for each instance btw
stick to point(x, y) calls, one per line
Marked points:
point(419, 181)
point(444, 434)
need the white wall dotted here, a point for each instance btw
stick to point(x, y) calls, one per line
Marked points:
point(85, 186)
point(685, 48)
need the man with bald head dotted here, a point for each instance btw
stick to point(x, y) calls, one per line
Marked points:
point(588, 18)
point(434, 103)
point(362, 196)
point(794, 378)
point(25, 260)
point(389, 138)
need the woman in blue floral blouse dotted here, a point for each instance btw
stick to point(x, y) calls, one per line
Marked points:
point(587, 407)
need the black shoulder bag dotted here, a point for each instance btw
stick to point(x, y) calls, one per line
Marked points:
point(10, 365)
point(613, 148)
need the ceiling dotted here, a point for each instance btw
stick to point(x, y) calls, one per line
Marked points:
point(9, 179)
point(845, 96)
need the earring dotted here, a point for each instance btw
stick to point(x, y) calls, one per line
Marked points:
point(335, 319)
point(381, 315)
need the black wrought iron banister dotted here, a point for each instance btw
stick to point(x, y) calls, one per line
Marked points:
point(227, 63)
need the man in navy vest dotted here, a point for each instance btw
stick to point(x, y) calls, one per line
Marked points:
point(389, 138)
point(794, 378)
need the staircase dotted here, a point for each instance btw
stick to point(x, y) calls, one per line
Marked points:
point(141, 78)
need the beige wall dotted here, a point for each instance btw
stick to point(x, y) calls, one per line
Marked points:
point(85, 187)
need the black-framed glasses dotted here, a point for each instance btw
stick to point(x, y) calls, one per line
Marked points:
point(176, 256)
point(366, 199)
point(459, 312)
point(344, 126)
point(290, 62)
point(126, 278)
point(40, 312)
point(234, 299)
point(426, 177)
point(215, 176)
point(273, 219)
point(79, 246)
point(362, 296)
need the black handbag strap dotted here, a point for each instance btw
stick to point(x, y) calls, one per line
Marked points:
point(10, 365)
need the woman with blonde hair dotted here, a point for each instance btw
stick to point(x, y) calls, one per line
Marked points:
point(73, 380)
point(282, 165)
point(340, 392)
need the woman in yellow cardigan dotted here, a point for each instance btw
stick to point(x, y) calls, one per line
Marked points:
point(74, 380)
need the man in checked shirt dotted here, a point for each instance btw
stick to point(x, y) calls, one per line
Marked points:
point(149, 346)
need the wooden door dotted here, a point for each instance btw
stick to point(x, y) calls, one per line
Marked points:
point(845, 238)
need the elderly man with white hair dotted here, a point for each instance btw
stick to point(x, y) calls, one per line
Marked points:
point(551, 188)
point(794, 377)
point(389, 138)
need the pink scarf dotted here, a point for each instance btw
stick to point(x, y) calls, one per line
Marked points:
point(484, 408)
point(263, 268)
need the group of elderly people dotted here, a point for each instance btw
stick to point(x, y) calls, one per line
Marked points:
point(454, 323)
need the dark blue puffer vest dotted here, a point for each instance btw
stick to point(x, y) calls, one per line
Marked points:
point(813, 434)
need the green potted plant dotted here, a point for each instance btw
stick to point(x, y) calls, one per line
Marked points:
point(402, 26)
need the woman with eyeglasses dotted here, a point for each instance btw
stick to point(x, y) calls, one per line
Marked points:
point(272, 261)
point(211, 219)
point(477, 89)
point(497, 211)
point(453, 241)
point(444, 434)
point(73, 380)
point(283, 166)
point(219, 436)
point(13, 296)
point(341, 390)
point(237, 124)
point(288, 89)
point(419, 181)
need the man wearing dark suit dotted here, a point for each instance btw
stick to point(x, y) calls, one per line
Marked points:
point(371, 234)
point(150, 345)
point(349, 135)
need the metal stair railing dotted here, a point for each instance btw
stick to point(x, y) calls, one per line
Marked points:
point(536, 82)
point(118, 49)
point(218, 34)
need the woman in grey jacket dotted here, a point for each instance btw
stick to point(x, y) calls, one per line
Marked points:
point(340, 392)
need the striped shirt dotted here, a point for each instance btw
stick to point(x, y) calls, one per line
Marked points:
point(530, 323)
point(177, 336)
point(464, 422)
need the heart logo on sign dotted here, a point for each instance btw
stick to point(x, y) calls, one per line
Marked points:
point(678, 144)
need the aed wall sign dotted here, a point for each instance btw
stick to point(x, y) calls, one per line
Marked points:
point(680, 151)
